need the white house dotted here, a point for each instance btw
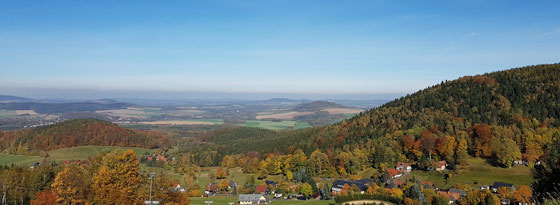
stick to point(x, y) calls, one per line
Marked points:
point(252, 199)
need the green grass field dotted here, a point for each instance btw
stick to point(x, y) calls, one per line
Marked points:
point(8, 113)
point(19, 159)
point(281, 125)
point(478, 170)
point(225, 200)
point(235, 174)
point(72, 153)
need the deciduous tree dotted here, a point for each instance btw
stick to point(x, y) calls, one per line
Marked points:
point(71, 185)
point(117, 180)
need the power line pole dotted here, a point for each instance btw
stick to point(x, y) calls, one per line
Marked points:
point(4, 196)
point(151, 182)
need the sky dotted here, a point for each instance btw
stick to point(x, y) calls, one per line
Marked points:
point(255, 48)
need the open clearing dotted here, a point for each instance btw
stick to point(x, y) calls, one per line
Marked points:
point(23, 112)
point(283, 116)
point(19, 159)
point(8, 113)
point(334, 111)
point(71, 153)
point(272, 125)
point(126, 113)
point(479, 171)
point(236, 174)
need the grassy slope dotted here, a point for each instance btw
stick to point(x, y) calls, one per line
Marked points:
point(482, 172)
point(235, 174)
point(72, 153)
point(19, 159)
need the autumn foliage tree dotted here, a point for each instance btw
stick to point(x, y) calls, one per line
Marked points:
point(482, 135)
point(462, 153)
point(45, 197)
point(117, 180)
point(224, 185)
point(306, 190)
point(522, 195)
point(220, 173)
point(71, 185)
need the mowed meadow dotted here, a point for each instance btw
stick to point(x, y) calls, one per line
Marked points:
point(72, 153)
point(476, 173)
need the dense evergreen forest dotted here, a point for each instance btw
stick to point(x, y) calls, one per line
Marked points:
point(77, 132)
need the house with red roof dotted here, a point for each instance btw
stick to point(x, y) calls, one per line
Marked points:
point(393, 173)
point(440, 165)
point(398, 182)
point(263, 189)
point(161, 157)
point(403, 167)
point(212, 189)
point(431, 184)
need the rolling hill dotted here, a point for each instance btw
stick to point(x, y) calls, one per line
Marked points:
point(10, 98)
point(317, 106)
point(79, 132)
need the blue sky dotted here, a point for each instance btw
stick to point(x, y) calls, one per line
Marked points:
point(282, 48)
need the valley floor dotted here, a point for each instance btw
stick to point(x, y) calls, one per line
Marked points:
point(226, 200)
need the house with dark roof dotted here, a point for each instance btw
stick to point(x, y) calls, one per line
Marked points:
point(270, 183)
point(498, 185)
point(362, 184)
point(252, 199)
point(454, 195)
point(233, 184)
point(458, 191)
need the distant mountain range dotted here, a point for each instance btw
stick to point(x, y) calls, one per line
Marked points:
point(316, 106)
point(10, 98)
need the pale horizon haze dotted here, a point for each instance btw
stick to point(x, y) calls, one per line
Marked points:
point(261, 49)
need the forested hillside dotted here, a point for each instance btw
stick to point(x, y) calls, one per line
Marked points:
point(78, 132)
point(514, 103)
point(502, 116)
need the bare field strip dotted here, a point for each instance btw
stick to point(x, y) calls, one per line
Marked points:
point(123, 112)
point(342, 110)
point(283, 116)
point(177, 122)
point(23, 112)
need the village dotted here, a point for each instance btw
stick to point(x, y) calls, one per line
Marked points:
point(394, 184)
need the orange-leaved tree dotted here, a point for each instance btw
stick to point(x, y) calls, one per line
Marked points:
point(46, 197)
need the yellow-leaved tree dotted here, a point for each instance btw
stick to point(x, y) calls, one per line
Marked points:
point(71, 185)
point(117, 181)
